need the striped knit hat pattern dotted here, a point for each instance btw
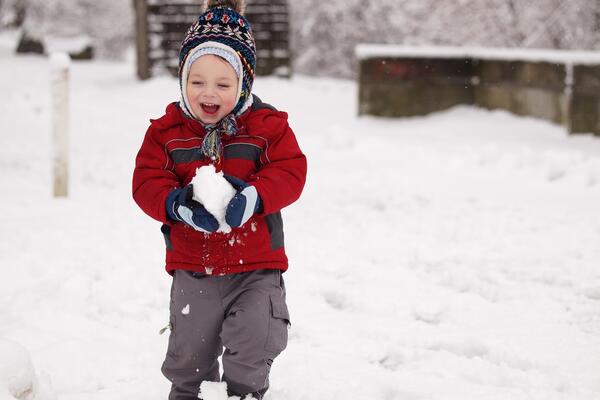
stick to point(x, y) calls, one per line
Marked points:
point(222, 23)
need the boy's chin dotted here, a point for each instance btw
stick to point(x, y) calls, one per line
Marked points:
point(210, 119)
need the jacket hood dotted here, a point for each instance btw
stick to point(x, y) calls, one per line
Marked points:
point(173, 117)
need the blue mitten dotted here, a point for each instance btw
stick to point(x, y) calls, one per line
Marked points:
point(243, 204)
point(181, 207)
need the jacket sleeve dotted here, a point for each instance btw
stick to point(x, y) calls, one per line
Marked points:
point(279, 182)
point(152, 180)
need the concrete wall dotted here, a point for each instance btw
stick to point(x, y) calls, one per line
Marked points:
point(534, 89)
point(399, 89)
point(399, 86)
point(585, 99)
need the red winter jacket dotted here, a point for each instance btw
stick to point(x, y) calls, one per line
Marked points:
point(263, 153)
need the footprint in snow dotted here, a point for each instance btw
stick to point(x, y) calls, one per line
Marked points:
point(430, 312)
point(336, 300)
point(462, 347)
point(393, 361)
point(592, 293)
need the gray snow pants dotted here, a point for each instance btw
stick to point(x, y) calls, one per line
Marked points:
point(244, 313)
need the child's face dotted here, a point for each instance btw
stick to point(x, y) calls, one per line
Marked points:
point(212, 88)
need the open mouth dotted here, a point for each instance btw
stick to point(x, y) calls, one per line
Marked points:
point(209, 108)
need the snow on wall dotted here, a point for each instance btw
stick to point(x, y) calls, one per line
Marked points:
point(556, 85)
point(366, 51)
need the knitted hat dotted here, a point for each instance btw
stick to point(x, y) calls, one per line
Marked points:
point(221, 30)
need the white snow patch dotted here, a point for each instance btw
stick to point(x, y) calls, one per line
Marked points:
point(186, 310)
point(218, 391)
point(60, 61)
point(213, 391)
point(75, 44)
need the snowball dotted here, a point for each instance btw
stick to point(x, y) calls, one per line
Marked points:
point(18, 379)
point(16, 370)
point(214, 192)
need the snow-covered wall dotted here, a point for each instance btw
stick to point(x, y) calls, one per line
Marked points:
point(365, 51)
point(559, 86)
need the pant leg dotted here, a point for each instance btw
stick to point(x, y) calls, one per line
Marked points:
point(196, 316)
point(255, 330)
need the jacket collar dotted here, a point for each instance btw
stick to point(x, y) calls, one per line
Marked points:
point(174, 116)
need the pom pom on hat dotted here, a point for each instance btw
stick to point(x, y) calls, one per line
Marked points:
point(237, 5)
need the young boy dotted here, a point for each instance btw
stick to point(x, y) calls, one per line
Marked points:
point(227, 292)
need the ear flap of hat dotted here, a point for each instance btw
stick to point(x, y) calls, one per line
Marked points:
point(238, 5)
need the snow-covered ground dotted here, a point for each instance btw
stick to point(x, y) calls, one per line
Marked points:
point(453, 256)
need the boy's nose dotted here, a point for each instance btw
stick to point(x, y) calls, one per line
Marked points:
point(210, 92)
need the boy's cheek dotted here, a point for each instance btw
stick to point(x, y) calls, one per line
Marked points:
point(191, 92)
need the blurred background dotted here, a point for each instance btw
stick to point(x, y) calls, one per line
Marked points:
point(323, 34)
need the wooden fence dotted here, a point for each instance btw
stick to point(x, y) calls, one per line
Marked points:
point(559, 86)
point(162, 24)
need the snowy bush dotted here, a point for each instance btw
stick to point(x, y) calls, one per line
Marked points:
point(11, 13)
point(108, 24)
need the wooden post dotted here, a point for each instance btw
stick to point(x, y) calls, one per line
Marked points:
point(60, 63)
point(141, 39)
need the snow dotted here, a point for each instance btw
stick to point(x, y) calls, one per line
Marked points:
point(218, 391)
point(453, 256)
point(16, 373)
point(60, 61)
point(213, 191)
point(72, 25)
point(18, 379)
point(74, 44)
point(366, 51)
point(213, 391)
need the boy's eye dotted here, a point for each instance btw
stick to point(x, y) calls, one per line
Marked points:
point(223, 86)
point(197, 82)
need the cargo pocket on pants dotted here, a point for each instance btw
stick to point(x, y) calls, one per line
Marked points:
point(278, 325)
